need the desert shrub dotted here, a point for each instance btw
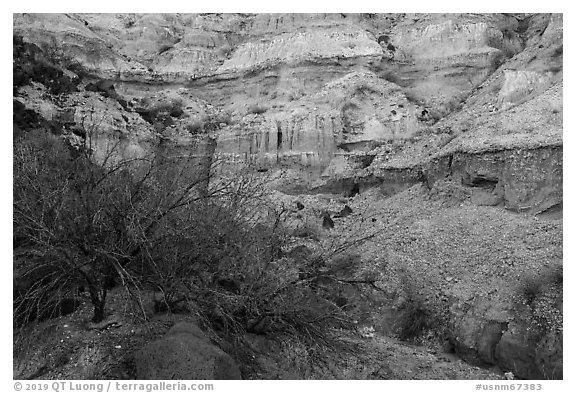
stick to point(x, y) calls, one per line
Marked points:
point(453, 105)
point(171, 108)
point(212, 248)
point(214, 122)
point(415, 316)
point(413, 319)
point(541, 295)
point(365, 89)
point(223, 117)
point(345, 264)
point(43, 65)
point(68, 221)
point(257, 109)
point(161, 112)
point(229, 267)
point(530, 289)
point(194, 127)
point(209, 123)
point(86, 223)
point(532, 286)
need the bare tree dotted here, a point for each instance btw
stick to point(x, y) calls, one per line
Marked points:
point(88, 223)
point(210, 244)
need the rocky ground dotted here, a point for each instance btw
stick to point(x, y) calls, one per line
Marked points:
point(71, 347)
point(465, 262)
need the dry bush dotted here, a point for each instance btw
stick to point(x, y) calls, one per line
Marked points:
point(541, 294)
point(256, 109)
point(211, 246)
point(68, 220)
point(195, 127)
point(415, 316)
point(85, 223)
point(223, 259)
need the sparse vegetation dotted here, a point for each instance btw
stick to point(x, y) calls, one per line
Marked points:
point(195, 127)
point(150, 224)
point(413, 319)
point(365, 89)
point(43, 65)
point(415, 316)
point(256, 109)
point(542, 294)
point(161, 113)
point(209, 123)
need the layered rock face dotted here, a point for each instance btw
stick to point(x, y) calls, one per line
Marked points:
point(316, 90)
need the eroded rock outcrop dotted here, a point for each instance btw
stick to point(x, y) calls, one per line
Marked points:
point(353, 113)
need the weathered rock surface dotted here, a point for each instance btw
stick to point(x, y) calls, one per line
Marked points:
point(355, 112)
point(469, 266)
point(323, 91)
point(184, 353)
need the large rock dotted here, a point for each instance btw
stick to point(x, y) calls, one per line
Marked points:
point(525, 180)
point(185, 352)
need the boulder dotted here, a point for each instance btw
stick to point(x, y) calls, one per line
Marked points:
point(184, 353)
point(529, 354)
point(346, 211)
point(516, 352)
point(327, 222)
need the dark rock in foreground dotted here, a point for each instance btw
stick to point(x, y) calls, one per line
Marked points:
point(185, 352)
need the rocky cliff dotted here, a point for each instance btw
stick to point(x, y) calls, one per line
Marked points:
point(324, 103)
point(345, 96)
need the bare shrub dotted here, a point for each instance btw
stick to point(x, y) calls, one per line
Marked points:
point(541, 294)
point(415, 316)
point(413, 319)
point(195, 127)
point(256, 109)
point(224, 259)
point(211, 246)
point(69, 219)
point(89, 223)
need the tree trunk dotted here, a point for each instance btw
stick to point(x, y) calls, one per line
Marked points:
point(99, 302)
point(98, 313)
